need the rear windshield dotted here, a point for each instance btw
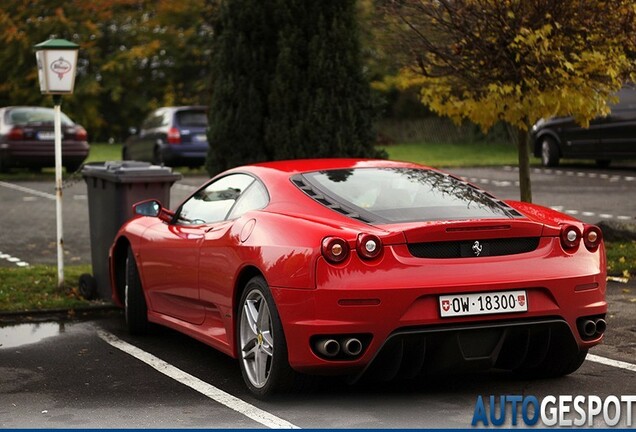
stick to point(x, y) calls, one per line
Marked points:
point(405, 195)
point(34, 116)
point(192, 118)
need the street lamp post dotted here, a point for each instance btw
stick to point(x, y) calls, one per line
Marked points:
point(57, 65)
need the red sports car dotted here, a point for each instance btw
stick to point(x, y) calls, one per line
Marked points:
point(359, 267)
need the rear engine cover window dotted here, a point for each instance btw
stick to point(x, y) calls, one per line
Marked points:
point(405, 194)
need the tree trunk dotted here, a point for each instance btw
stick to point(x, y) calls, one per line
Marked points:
point(525, 188)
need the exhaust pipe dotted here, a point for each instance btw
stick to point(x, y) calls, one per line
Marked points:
point(587, 328)
point(352, 347)
point(328, 347)
point(601, 326)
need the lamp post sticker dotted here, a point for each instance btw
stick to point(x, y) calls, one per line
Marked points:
point(61, 67)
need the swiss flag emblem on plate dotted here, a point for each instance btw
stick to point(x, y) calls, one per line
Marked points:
point(521, 299)
point(445, 305)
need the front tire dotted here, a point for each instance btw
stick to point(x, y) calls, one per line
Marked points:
point(135, 307)
point(87, 286)
point(262, 349)
point(549, 152)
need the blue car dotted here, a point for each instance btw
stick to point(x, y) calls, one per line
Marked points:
point(172, 136)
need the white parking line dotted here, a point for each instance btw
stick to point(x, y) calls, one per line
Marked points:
point(13, 260)
point(27, 190)
point(477, 180)
point(185, 187)
point(232, 402)
point(610, 362)
point(613, 178)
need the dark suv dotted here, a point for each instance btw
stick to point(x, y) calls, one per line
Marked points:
point(173, 136)
point(607, 138)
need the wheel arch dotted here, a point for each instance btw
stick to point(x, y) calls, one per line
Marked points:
point(539, 138)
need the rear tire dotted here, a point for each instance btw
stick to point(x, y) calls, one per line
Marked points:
point(71, 168)
point(135, 308)
point(549, 152)
point(261, 345)
point(157, 159)
point(603, 163)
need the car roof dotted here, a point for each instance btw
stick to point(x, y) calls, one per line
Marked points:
point(277, 175)
point(182, 108)
point(287, 168)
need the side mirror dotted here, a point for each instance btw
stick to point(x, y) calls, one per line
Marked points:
point(148, 208)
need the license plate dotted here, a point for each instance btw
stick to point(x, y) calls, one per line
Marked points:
point(483, 303)
point(46, 136)
point(200, 138)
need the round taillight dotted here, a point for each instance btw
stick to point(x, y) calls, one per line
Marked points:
point(335, 250)
point(592, 237)
point(369, 246)
point(570, 236)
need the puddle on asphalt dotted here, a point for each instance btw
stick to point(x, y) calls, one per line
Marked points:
point(24, 334)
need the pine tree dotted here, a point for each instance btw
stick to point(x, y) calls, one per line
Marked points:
point(241, 58)
point(288, 83)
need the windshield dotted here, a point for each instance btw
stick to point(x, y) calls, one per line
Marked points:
point(405, 194)
point(34, 116)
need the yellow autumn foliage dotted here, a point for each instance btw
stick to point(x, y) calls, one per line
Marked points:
point(535, 63)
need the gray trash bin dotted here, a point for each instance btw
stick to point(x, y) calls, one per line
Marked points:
point(113, 188)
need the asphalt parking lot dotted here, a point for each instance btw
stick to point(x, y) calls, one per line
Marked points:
point(91, 373)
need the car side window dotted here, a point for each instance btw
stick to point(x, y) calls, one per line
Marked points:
point(165, 119)
point(254, 198)
point(214, 202)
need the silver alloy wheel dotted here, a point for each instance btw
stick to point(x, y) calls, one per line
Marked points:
point(126, 285)
point(545, 153)
point(256, 339)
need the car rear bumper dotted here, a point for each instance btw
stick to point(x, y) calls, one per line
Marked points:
point(42, 154)
point(380, 307)
point(184, 154)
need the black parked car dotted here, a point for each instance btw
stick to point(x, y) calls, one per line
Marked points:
point(27, 139)
point(607, 138)
point(173, 136)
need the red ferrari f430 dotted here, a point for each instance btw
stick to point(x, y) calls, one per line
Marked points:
point(354, 267)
